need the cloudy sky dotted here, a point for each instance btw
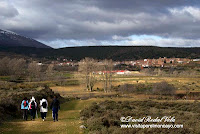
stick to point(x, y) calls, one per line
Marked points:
point(64, 23)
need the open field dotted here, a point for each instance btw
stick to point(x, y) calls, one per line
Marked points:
point(193, 84)
point(69, 116)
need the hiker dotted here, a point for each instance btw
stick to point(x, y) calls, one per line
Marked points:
point(24, 107)
point(55, 106)
point(43, 108)
point(33, 108)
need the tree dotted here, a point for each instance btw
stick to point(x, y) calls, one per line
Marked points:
point(107, 68)
point(14, 67)
point(50, 70)
point(87, 68)
point(4, 67)
point(33, 70)
point(17, 68)
point(187, 91)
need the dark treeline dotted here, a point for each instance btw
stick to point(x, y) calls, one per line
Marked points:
point(106, 52)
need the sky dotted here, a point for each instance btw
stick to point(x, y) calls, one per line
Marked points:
point(67, 23)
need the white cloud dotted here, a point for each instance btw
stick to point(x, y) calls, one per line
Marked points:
point(135, 41)
point(186, 11)
point(116, 37)
point(166, 42)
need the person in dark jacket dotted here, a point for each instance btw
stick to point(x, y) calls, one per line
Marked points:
point(24, 107)
point(55, 106)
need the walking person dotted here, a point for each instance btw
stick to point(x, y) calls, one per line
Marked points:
point(55, 106)
point(24, 107)
point(33, 108)
point(43, 108)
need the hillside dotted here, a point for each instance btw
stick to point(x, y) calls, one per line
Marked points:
point(103, 52)
point(8, 38)
point(128, 52)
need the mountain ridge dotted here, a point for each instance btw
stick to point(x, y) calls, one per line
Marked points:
point(9, 38)
point(118, 53)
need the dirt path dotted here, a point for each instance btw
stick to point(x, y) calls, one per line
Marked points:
point(69, 121)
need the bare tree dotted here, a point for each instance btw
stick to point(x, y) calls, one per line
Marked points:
point(187, 91)
point(107, 68)
point(13, 67)
point(4, 67)
point(87, 68)
point(17, 68)
point(34, 70)
point(50, 70)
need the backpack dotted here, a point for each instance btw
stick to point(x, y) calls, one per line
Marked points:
point(25, 104)
point(44, 104)
point(32, 105)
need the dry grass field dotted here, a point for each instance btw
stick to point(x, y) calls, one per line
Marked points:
point(180, 83)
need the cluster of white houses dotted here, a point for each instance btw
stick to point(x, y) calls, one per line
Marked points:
point(161, 62)
point(143, 63)
point(119, 72)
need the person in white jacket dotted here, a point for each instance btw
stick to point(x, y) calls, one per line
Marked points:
point(33, 108)
point(43, 108)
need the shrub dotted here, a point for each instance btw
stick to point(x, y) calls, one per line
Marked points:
point(108, 118)
point(134, 88)
point(163, 88)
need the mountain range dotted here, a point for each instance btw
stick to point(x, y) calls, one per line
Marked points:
point(13, 43)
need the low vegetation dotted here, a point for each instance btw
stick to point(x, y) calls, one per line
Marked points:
point(163, 88)
point(159, 88)
point(104, 117)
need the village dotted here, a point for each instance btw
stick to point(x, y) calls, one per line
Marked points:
point(162, 62)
